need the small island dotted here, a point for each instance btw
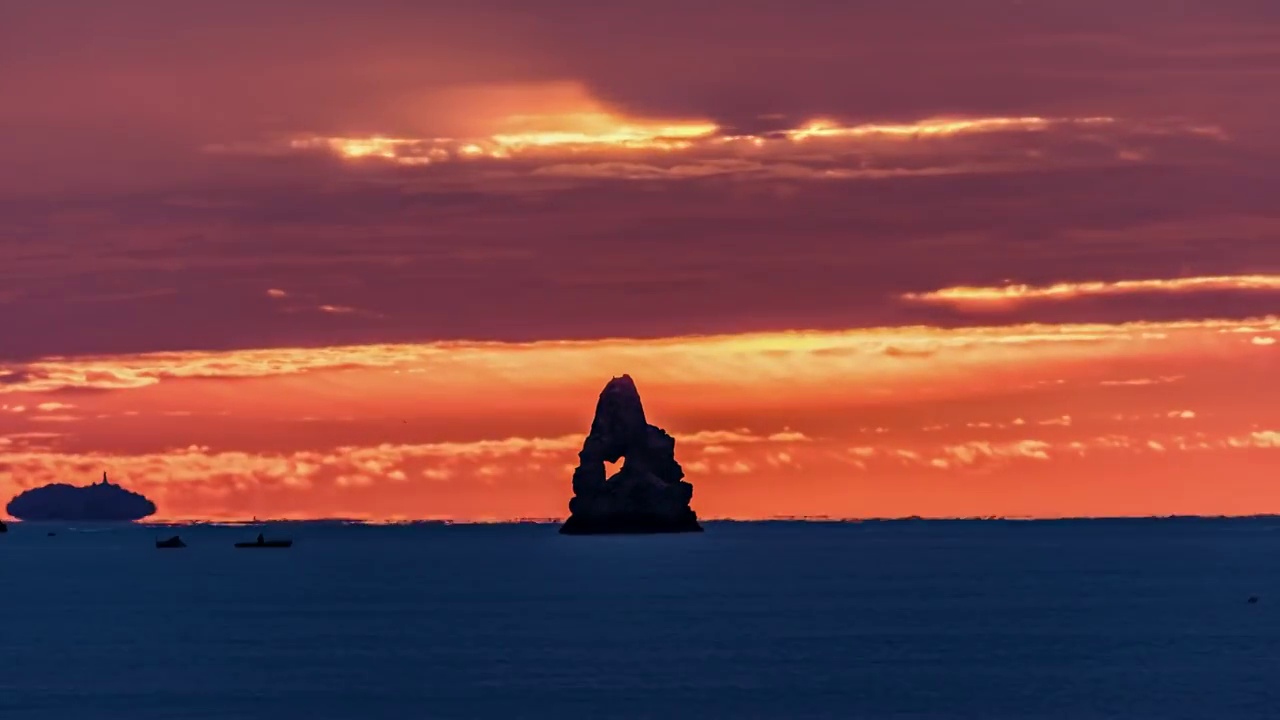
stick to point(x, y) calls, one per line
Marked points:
point(104, 501)
point(648, 494)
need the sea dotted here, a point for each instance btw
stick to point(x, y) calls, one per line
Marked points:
point(889, 619)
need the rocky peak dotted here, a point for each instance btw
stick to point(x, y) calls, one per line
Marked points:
point(619, 423)
point(647, 494)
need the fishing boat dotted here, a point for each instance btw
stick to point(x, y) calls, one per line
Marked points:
point(173, 542)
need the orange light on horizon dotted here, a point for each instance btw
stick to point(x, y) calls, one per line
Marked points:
point(1026, 419)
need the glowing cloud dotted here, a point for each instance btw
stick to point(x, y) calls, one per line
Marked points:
point(890, 353)
point(505, 121)
point(400, 150)
point(934, 127)
point(1141, 382)
point(560, 120)
point(603, 131)
point(598, 128)
point(198, 481)
point(1007, 295)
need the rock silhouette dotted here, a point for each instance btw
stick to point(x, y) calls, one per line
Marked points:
point(173, 542)
point(102, 501)
point(648, 494)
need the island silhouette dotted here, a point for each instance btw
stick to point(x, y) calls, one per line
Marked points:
point(104, 501)
point(648, 494)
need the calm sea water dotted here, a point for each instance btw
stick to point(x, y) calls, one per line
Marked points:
point(1080, 619)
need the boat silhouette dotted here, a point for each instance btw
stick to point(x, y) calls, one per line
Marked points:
point(173, 542)
point(262, 542)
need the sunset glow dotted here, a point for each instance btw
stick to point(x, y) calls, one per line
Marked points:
point(847, 416)
point(305, 262)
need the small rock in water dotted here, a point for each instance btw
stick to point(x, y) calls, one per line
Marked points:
point(1253, 599)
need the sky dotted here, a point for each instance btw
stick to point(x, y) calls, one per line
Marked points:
point(880, 258)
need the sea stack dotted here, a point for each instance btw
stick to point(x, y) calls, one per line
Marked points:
point(648, 494)
point(104, 501)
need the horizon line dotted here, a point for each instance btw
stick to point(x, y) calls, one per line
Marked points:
point(814, 519)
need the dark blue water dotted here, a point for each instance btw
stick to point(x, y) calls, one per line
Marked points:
point(1083, 619)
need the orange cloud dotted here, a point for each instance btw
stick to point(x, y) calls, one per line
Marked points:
point(725, 371)
point(931, 127)
point(1006, 295)
point(568, 132)
point(1140, 382)
point(598, 130)
point(54, 406)
point(196, 481)
point(506, 121)
point(890, 356)
point(517, 477)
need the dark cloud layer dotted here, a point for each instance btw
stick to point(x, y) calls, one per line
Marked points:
point(149, 197)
